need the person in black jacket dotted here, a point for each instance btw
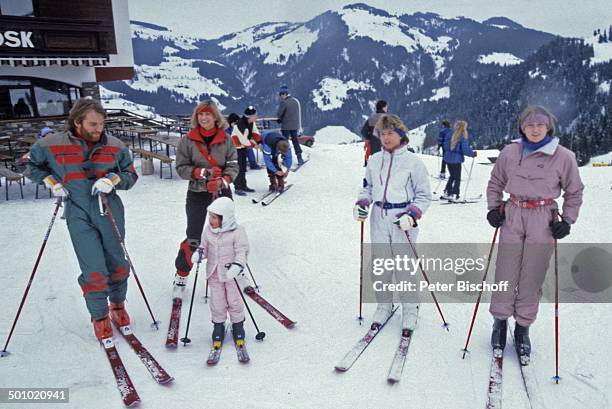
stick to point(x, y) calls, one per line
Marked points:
point(367, 131)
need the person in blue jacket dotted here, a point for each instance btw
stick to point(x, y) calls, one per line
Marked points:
point(278, 159)
point(456, 147)
point(446, 131)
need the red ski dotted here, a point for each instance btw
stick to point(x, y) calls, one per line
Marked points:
point(278, 316)
point(124, 383)
point(173, 326)
point(155, 369)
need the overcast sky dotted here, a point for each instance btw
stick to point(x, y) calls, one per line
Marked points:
point(213, 18)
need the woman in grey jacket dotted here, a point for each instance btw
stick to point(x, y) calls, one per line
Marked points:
point(206, 157)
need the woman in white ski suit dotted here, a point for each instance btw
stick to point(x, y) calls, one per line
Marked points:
point(396, 184)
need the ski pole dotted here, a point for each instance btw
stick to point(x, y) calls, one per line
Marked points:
point(556, 378)
point(252, 277)
point(260, 335)
point(206, 295)
point(360, 317)
point(58, 204)
point(484, 279)
point(445, 324)
point(185, 340)
point(467, 184)
point(127, 256)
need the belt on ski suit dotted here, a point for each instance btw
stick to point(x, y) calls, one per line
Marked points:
point(387, 205)
point(531, 204)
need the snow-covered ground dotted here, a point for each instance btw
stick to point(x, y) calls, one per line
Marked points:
point(304, 254)
point(499, 58)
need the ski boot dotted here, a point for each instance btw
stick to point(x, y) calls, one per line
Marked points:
point(446, 196)
point(103, 330)
point(522, 343)
point(410, 313)
point(238, 333)
point(382, 314)
point(118, 315)
point(218, 334)
point(498, 337)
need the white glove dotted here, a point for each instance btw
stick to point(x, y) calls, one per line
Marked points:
point(195, 257)
point(243, 281)
point(105, 184)
point(360, 213)
point(405, 222)
point(233, 271)
point(56, 187)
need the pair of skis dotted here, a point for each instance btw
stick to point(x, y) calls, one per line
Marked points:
point(175, 315)
point(474, 199)
point(215, 352)
point(399, 359)
point(270, 196)
point(124, 383)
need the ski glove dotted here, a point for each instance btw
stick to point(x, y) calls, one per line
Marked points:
point(405, 221)
point(495, 218)
point(195, 257)
point(198, 173)
point(234, 270)
point(560, 229)
point(56, 187)
point(360, 211)
point(105, 184)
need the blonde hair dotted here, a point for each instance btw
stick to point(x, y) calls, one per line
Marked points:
point(81, 108)
point(220, 121)
point(390, 121)
point(460, 130)
point(538, 109)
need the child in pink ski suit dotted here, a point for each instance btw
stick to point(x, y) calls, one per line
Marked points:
point(225, 246)
point(533, 170)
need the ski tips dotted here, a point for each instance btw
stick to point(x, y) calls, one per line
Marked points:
point(155, 325)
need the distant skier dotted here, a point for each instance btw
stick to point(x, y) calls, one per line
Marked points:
point(533, 170)
point(456, 147)
point(446, 132)
point(224, 243)
point(397, 185)
point(245, 135)
point(206, 157)
point(290, 117)
point(278, 159)
point(368, 131)
point(79, 164)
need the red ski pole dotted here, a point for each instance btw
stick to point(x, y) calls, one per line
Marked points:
point(445, 324)
point(127, 256)
point(360, 318)
point(556, 378)
point(484, 278)
point(58, 204)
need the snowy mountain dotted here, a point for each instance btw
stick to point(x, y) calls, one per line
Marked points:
point(339, 63)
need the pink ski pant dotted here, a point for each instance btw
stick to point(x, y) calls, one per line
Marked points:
point(225, 298)
point(525, 248)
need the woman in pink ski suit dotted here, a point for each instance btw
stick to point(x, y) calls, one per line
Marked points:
point(225, 246)
point(533, 170)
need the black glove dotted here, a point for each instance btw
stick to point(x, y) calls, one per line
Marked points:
point(560, 229)
point(495, 218)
